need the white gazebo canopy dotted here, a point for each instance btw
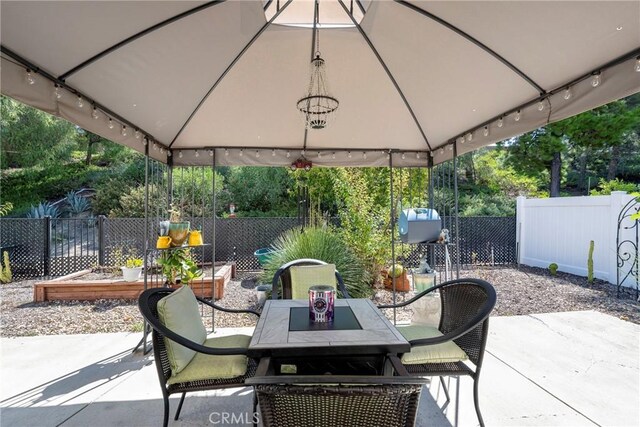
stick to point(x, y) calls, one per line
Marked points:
point(412, 77)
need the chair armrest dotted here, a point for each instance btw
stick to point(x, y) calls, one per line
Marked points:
point(414, 299)
point(450, 336)
point(227, 310)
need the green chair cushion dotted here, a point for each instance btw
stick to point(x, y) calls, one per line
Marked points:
point(210, 367)
point(179, 312)
point(305, 276)
point(447, 352)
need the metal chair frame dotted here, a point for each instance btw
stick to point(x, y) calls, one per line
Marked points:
point(147, 303)
point(466, 306)
point(282, 275)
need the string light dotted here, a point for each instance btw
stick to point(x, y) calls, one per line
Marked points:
point(302, 152)
point(197, 153)
point(273, 153)
point(567, 93)
point(417, 155)
point(442, 151)
point(111, 123)
point(517, 116)
point(57, 92)
point(94, 113)
point(364, 155)
point(595, 80)
point(80, 102)
point(637, 67)
point(470, 136)
point(388, 155)
point(319, 154)
point(288, 154)
point(29, 77)
point(180, 154)
point(333, 155)
point(137, 134)
point(161, 150)
point(403, 156)
point(257, 154)
point(155, 145)
point(461, 140)
point(451, 147)
point(500, 122)
point(540, 105)
point(226, 152)
point(169, 153)
point(210, 153)
point(123, 131)
point(349, 155)
point(241, 153)
point(485, 132)
point(145, 141)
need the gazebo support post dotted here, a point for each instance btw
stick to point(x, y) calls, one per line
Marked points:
point(393, 234)
point(457, 216)
point(213, 237)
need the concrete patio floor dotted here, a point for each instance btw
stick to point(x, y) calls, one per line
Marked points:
point(577, 368)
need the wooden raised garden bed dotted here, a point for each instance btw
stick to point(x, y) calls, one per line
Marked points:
point(73, 287)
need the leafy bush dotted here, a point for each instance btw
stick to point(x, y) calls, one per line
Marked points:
point(42, 210)
point(76, 204)
point(5, 208)
point(606, 187)
point(323, 244)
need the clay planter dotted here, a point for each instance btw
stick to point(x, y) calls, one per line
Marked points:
point(402, 282)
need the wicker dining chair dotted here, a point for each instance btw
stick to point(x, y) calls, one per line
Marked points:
point(337, 400)
point(461, 335)
point(283, 276)
point(213, 352)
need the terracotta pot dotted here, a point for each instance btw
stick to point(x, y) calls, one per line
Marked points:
point(402, 282)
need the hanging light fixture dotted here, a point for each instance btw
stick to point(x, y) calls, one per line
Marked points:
point(318, 106)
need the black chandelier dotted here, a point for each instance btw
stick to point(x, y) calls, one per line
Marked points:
point(318, 106)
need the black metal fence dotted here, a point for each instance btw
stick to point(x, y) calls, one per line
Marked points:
point(55, 247)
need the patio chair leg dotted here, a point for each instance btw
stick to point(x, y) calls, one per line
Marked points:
point(446, 393)
point(255, 408)
point(180, 406)
point(165, 397)
point(475, 401)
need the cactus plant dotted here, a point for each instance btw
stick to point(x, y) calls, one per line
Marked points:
point(5, 272)
point(590, 263)
point(553, 268)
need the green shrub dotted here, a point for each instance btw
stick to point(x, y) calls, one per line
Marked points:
point(553, 268)
point(606, 187)
point(325, 245)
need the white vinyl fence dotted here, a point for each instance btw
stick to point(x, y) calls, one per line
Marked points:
point(558, 230)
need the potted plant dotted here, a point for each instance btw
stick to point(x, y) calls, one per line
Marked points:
point(178, 229)
point(178, 267)
point(398, 272)
point(132, 269)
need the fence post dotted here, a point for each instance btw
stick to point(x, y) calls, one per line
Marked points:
point(520, 235)
point(47, 245)
point(101, 219)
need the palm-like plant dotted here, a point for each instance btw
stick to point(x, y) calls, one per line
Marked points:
point(76, 204)
point(323, 244)
point(42, 210)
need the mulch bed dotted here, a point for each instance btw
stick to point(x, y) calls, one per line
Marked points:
point(522, 291)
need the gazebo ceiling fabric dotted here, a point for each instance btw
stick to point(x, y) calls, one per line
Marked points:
point(412, 77)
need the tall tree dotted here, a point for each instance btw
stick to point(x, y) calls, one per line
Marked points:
point(540, 152)
point(31, 137)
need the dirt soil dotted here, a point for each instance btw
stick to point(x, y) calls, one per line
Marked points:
point(520, 291)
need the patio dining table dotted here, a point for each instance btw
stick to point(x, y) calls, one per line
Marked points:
point(359, 339)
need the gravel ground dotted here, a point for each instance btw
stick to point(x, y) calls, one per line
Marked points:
point(520, 291)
